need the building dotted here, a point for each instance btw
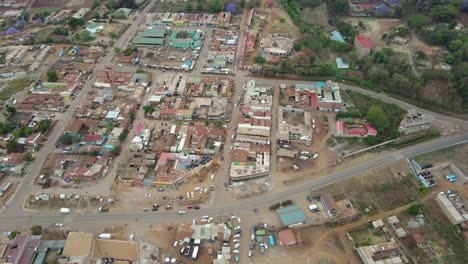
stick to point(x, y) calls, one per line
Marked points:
point(354, 128)
point(94, 27)
point(291, 216)
point(387, 252)
point(340, 64)
point(119, 250)
point(185, 39)
point(336, 36)
point(277, 45)
point(415, 121)
point(23, 249)
point(454, 207)
point(301, 130)
point(287, 238)
point(363, 45)
point(81, 13)
point(329, 204)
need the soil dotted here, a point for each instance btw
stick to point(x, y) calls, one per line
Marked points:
point(375, 28)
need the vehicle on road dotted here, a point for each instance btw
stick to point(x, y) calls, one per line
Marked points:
point(190, 207)
point(65, 210)
point(105, 236)
point(59, 224)
point(181, 212)
point(305, 152)
point(131, 237)
point(236, 258)
point(146, 209)
point(147, 195)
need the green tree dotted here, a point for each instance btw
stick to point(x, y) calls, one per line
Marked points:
point(73, 23)
point(455, 45)
point(69, 139)
point(61, 31)
point(207, 122)
point(117, 49)
point(188, 7)
point(10, 111)
point(377, 75)
point(444, 13)
point(113, 35)
point(36, 230)
point(377, 118)
point(338, 7)
point(115, 150)
point(85, 36)
point(122, 136)
point(297, 46)
point(199, 7)
point(215, 6)
point(27, 130)
point(28, 157)
point(148, 109)
point(131, 115)
point(12, 146)
point(94, 153)
point(259, 59)
point(52, 76)
point(418, 20)
point(43, 126)
point(13, 234)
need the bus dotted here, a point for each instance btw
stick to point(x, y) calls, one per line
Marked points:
point(195, 252)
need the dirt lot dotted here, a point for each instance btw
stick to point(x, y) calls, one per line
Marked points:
point(375, 28)
point(62, 3)
point(456, 154)
point(274, 26)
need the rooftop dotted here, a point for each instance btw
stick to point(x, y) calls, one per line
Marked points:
point(364, 41)
point(78, 244)
point(291, 215)
point(117, 249)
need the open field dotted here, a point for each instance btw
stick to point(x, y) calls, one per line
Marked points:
point(456, 154)
point(13, 87)
point(375, 28)
point(367, 236)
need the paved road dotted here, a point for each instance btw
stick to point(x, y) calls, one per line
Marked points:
point(24, 218)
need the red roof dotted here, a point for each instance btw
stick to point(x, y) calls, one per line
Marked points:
point(91, 138)
point(364, 41)
point(370, 130)
point(339, 127)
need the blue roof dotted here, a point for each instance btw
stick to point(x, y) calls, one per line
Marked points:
point(291, 215)
point(340, 63)
point(305, 86)
point(336, 36)
point(231, 7)
point(393, 2)
point(321, 85)
point(380, 9)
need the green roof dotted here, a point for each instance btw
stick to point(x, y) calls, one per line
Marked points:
point(148, 41)
point(125, 11)
point(291, 215)
point(154, 33)
point(94, 26)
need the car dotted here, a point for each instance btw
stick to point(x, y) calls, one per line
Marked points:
point(59, 224)
point(168, 207)
point(190, 207)
point(295, 167)
point(262, 249)
point(238, 231)
point(236, 258)
point(212, 186)
point(176, 243)
point(237, 235)
point(452, 192)
point(188, 195)
point(146, 209)
point(265, 245)
point(315, 156)
point(235, 251)
point(252, 245)
point(196, 207)
point(160, 189)
point(197, 188)
point(237, 227)
point(303, 158)
point(305, 152)
point(131, 237)
point(147, 195)
point(250, 253)
point(236, 240)
point(236, 246)
point(181, 212)
point(192, 194)
point(203, 220)
point(252, 237)
point(154, 209)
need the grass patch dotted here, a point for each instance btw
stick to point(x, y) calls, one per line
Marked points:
point(441, 154)
point(416, 140)
point(367, 236)
point(14, 87)
point(452, 237)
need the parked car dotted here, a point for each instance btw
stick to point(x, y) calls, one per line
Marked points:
point(303, 158)
point(190, 207)
point(181, 212)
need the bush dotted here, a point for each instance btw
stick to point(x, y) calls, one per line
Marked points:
point(415, 209)
point(36, 230)
point(52, 76)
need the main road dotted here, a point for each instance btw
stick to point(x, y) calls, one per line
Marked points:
point(17, 218)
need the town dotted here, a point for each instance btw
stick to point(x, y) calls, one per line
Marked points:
point(170, 131)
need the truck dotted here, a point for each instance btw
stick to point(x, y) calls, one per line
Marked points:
point(105, 236)
point(271, 240)
point(65, 210)
point(195, 252)
point(104, 208)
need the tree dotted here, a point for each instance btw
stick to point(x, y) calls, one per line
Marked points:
point(36, 230)
point(455, 45)
point(148, 109)
point(199, 7)
point(444, 13)
point(149, 55)
point(215, 6)
point(10, 110)
point(117, 49)
point(61, 31)
point(85, 36)
point(259, 59)
point(27, 130)
point(75, 22)
point(113, 35)
point(13, 234)
point(282, 19)
point(188, 7)
point(28, 157)
point(297, 46)
point(69, 139)
point(338, 7)
point(122, 136)
point(94, 153)
point(43, 126)
point(131, 115)
point(115, 150)
point(377, 118)
point(12, 146)
point(418, 20)
point(207, 122)
point(52, 76)
point(377, 75)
